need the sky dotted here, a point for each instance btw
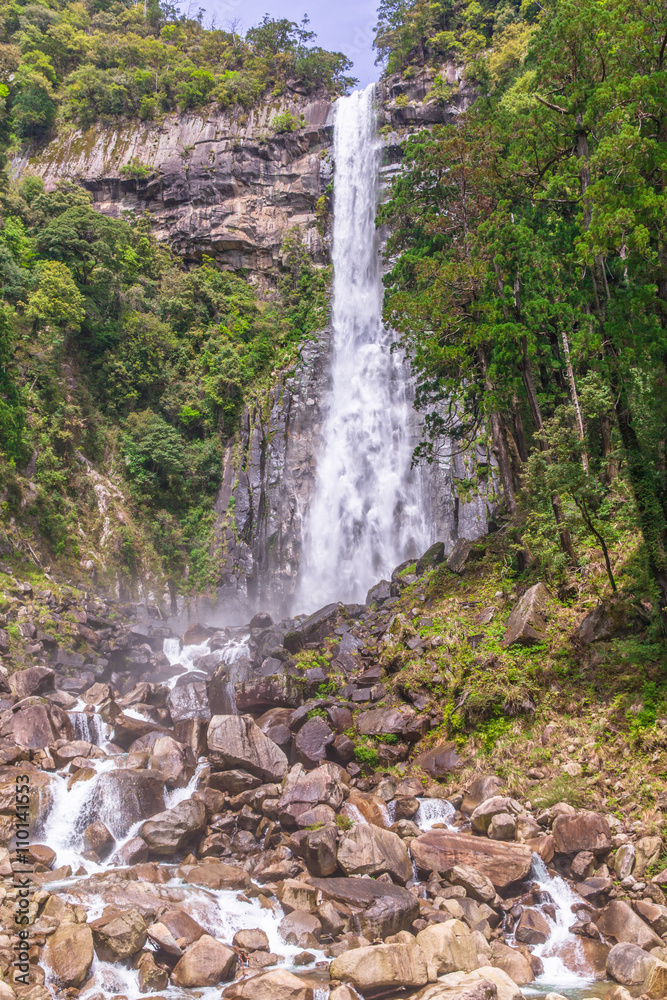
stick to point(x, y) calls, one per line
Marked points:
point(341, 25)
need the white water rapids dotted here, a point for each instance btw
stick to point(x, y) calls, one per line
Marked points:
point(368, 513)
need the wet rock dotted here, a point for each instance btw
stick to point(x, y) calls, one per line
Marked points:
point(69, 953)
point(485, 787)
point(251, 940)
point(182, 927)
point(233, 781)
point(132, 852)
point(127, 729)
point(583, 865)
point(189, 701)
point(168, 831)
point(370, 850)
point(217, 876)
point(440, 850)
point(533, 927)
point(311, 742)
point(366, 806)
point(381, 908)
point(583, 831)
point(175, 762)
point(135, 794)
point(629, 964)
point(459, 556)
point(512, 962)
point(448, 947)
point(164, 939)
point(276, 985)
point(151, 976)
point(476, 885)
point(526, 625)
point(304, 790)
point(196, 635)
point(97, 837)
point(32, 681)
point(316, 628)
point(439, 761)
point(35, 725)
point(300, 928)
point(118, 934)
point(235, 741)
point(620, 923)
point(205, 963)
point(319, 851)
point(380, 593)
point(432, 557)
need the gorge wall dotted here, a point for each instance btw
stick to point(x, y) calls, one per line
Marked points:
point(225, 185)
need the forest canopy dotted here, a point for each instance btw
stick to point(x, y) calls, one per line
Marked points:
point(528, 260)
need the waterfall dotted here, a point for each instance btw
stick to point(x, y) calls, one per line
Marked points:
point(562, 954)
point(367, 513)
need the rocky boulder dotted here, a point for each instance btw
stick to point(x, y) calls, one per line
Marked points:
point(168, 831)
point(118, 934)
point(32, 681)
point(205, 963)
point(189, 701)
point(370, 850)
point(69, 953)
point(485, 812)
point(174, 761)
point(319, 851)
point(276, 985)
point(619, 922)
point(236, 742)
point(35, 725)
point(457, 985)
point(583, 831)
point(527, 625)
point(386, 966)
point(382, 909)
point(448, 947)
point(135, 795)
point(629, 964)
point(502, 864)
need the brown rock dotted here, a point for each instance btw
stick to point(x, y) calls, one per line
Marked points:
point(251, 940)
point(69, 953)
point(439, 761)
point(381, 967)
point(370, 850)
point(168, 831)
point(473, 985)
point(629, 964)
point(235, 741)
point(277, 985)
point(482, 788)
point(512, 962)
point(205, 963)
point(620, 923)
point(533, 927)
point(381, 908)
point(583, 831)
point(476, 885)
point(132, 852)
point(319, 851)
point(33, 681)
point(196, 635)
point(119, 934)
point(175, 762)
point(218, 876)
point(526, 625)
point(137, 794)
point(655, 986)
point(312, 740)
point(35, 725)
point(151, 976)
point(98, 838)
point(440, 850)
point(182, 927)
point(448, 947)
point(300, 928)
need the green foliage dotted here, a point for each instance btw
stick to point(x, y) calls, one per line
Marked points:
point(286, 122)
point(82, 64)
point(527, 274)
point(343, 822)
point(366, 755)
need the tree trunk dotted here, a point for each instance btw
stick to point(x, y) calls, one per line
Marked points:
point(575, 400)
point(499, 443)
point(611, 462)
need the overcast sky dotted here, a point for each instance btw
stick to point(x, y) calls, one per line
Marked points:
point(342, 25)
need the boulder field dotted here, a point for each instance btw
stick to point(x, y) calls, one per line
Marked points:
point(261, 812)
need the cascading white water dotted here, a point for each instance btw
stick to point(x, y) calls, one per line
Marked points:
point(432, 812)
point(562, 954)
point(368, 513)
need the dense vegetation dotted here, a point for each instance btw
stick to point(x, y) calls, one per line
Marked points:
point(528, 275)
point(113, 355)
point(86, 62)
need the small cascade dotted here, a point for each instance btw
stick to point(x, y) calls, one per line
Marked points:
point(71, 811)
point(89, 727)
point(176, 795)
point(232, 652)
point(432, 812)
point(562, 954)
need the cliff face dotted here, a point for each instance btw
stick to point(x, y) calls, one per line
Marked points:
point(224, 185)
